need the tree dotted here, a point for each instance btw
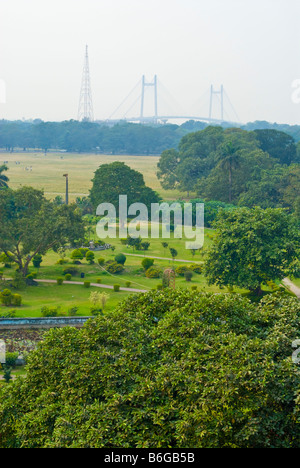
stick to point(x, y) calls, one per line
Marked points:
point(112, 180)
point(175, 369)
point(229, 160)
point(278, 144)
point(31, 225)
point(3, 178)
point(252, 247)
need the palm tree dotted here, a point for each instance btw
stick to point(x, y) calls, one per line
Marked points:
point(3, 178)
point(229, 160)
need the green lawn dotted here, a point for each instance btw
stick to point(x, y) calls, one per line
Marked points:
point(46, 172)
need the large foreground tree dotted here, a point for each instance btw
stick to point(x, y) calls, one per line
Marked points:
point(169, 369)
point(253, 247)
point(31, 225)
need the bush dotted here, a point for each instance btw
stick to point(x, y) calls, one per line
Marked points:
point(11, 359)
point(147, 263)
point(188, 275)
point(72, 312)
point(208, 350)
point(68, 277)
point(49, 311)
point(77, 255)
point(153, 273)
point(181, 270)
point(71, 271)
point(60, 281)
point(101, 261)
point(196, 268)
point(117, 287)
point(194, 288)
point(121, 259)
point(90, 257)
point(87, 284)
point(115, 268)
point(128, 284)
point(99, 280)
point(159, 287)
point(6, 297)
point(16, 300)
point(37, 260)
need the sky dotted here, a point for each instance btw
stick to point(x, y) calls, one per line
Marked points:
point(251, 47)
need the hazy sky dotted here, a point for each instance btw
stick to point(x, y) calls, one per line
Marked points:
point(250, 46)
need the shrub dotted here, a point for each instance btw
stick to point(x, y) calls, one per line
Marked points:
point(6, 297)
point(117, 287)
point(121, 259)
point(87, 284)
point(147, 263)
point(77, 255)
point(68, 277)
point(99, 280)
point(188, 275)
point(11, 359)
point(181, 270)
point(60, 281)
point(16, 300)
point(159, 287)
point(194, 288)
point(101, 261)
point(71, 271)
point(37, 260)
point(49, 312)
point(196, 268)
point(61, 261)
point(90, 257)
point(128, 284)
point(72, 312)
point(115, 268)
point(124, 241)
point(153, 273)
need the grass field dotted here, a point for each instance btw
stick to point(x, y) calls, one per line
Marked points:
point(46, 172)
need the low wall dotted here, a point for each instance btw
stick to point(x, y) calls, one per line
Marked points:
point(41, 322)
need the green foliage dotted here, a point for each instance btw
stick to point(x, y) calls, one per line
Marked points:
point(74, 271)
point(50, 311)
point(253, 247)
point(153, 273)
point(121, 259)
point(31, 225)
point(178, 369)
point(6, 297)
point(77, 254)
point(147, 263)
point(68, 277)
point(117, 178)
point(196, 268)
point(16, 300)
point(37, 260)
point(11, 359)
point(87, 284)
point(101, 261)
point(188, 275)
point(114, 268)
point(90, 257)
point(181, 270)
point(60, 281)
point(117, 287)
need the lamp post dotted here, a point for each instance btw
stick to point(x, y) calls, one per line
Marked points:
point(67, 188)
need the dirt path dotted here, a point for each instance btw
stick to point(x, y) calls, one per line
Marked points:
point(94, 285)
point(163, 258)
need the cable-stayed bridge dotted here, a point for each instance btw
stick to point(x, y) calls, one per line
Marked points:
point(147, 104)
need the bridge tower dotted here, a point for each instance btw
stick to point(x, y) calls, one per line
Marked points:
point(217, 93)
point(85, 110)
point(146, 84)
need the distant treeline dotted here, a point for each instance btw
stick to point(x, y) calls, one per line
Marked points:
point(121, 138)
